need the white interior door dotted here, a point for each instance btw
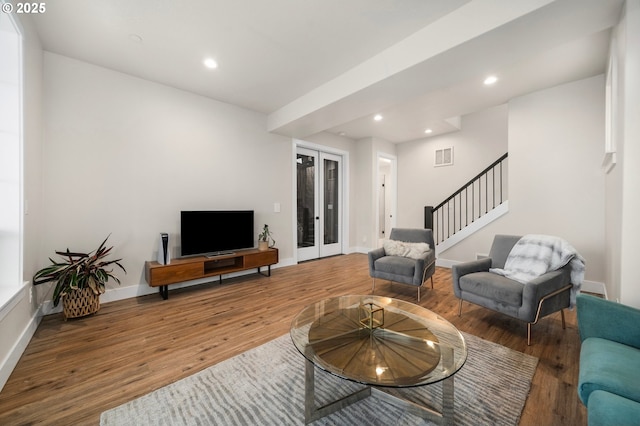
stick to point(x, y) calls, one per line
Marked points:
point(319, 203)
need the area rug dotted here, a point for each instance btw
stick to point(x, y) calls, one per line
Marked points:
point(265, 386)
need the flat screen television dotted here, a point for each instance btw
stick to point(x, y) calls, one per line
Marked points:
point(215, 231)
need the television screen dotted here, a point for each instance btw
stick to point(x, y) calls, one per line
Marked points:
point(210, 232)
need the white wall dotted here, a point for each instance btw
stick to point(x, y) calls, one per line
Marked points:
point(124, 156)
point(556, 182)
point(623, 182)
point(367, 151)
point(481, 140)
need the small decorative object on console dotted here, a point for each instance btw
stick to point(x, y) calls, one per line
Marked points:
point(265, 239)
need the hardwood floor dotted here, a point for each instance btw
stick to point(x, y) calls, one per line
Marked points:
point(72, 371)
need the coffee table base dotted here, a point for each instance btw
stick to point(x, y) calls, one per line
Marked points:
point(313, 413)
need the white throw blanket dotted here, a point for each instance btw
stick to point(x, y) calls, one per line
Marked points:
point(535, 255)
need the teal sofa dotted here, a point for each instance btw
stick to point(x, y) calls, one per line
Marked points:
point(609, 378)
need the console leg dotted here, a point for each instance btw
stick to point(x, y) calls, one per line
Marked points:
point(268, 274)
point(164, 291)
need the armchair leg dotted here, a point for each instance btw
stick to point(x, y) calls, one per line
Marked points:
point(528, 334)
point(460, 308)
point(431, 282)
point(418, 293)
point(564, 325)
point(373, 286)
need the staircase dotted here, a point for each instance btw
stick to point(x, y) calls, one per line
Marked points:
point(477, 203)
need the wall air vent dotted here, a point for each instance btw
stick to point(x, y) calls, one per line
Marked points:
point(444, 157)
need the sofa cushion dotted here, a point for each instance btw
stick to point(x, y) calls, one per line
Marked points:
point(396, 265)
point(493, 286)
point(608, 366)
point(606, 409)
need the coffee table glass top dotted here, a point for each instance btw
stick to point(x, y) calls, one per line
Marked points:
point(378, 341)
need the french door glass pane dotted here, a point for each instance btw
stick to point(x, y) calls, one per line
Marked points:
point(306, 175)
point(331, 205)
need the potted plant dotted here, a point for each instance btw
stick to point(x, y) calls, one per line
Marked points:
point(265, 239)
point(79, 279)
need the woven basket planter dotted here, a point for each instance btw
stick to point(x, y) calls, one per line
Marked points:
point(80, 303)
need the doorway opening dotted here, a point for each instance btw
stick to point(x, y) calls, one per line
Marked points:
point(386, 195)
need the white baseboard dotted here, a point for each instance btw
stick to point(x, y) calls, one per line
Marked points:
point(12, 358)
point(361, 250)
point(446, 263)
point(143, 289)
point(594, 287)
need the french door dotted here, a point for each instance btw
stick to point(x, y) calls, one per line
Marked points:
point(319, 203)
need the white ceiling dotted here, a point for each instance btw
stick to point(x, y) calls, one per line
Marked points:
point(329, 65)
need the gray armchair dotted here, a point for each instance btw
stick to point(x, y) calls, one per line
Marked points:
point(528, 302)
point(412, 268)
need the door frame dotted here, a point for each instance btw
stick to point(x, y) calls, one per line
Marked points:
point(298, 143)
point(393, 189)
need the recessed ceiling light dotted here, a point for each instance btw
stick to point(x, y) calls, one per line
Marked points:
point(490, 80)
point(378, 117)
point(428, 131)
point(210, 63)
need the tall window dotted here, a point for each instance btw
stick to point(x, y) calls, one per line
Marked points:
point(10, 156)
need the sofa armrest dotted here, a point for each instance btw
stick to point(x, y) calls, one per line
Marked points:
point(608, 320)
point(480, 265)
point(545, 284)
point(422, 264)
point(374, 255)
point(534, 291)
point(461, 269)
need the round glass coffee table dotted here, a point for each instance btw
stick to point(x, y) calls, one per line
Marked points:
point(381, 343)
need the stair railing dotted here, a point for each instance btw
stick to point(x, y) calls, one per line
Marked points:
point(472, 201)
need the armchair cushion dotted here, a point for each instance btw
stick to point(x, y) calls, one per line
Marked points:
point(396, 265)
point(501, 290)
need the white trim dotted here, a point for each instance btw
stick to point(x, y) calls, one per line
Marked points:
point(611, 110)
point(394, 200)
point(594, 287)
point(13, 299)
point(11, 290)
point(473, 227)
point(13, 356)
point(447, 263)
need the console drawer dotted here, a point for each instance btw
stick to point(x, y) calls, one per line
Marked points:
point(263, 258)
point(169, 274)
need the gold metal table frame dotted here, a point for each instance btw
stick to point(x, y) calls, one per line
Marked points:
point(381, 343)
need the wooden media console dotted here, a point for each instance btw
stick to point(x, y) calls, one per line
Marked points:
point(192, 268)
